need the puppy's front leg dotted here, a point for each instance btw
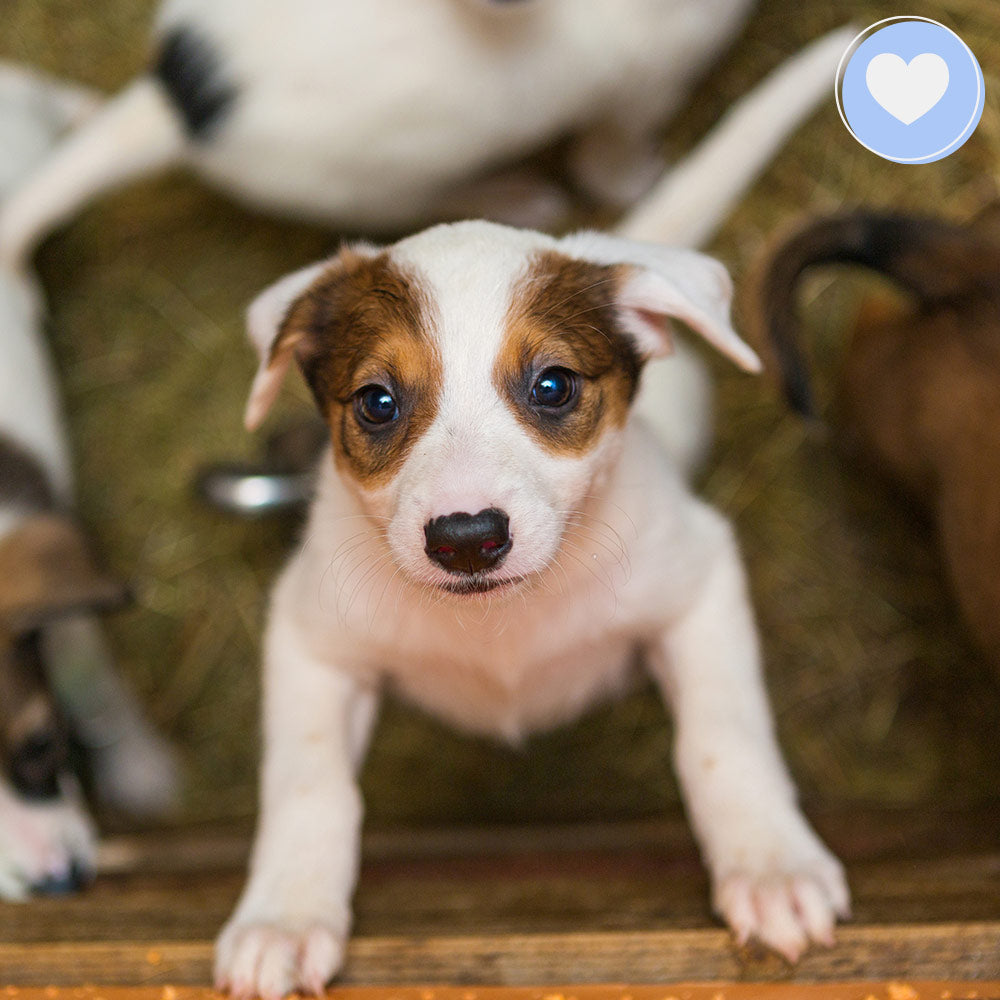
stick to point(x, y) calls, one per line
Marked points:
point(291, 924)
point(772, 878)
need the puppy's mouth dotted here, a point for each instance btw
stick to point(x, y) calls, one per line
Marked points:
point(479, 584)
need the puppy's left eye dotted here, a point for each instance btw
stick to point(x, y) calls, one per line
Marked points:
point(375, 405)
point(554, 388)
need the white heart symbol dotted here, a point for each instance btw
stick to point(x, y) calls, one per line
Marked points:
point(907, 90)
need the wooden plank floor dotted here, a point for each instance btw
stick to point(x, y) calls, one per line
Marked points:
point(592, 904)
point(891, 990)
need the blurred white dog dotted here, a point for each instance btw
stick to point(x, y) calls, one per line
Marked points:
point(383, 114)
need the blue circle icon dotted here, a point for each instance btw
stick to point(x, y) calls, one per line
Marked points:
point(910, 90)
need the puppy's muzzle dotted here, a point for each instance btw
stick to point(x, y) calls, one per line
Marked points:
point(468, 543)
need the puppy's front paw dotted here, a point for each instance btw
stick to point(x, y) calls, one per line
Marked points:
point(271, 959)
point(786, 897)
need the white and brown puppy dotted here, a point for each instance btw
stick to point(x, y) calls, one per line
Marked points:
point(49, 651)
point(377, 116)
point(501, 523)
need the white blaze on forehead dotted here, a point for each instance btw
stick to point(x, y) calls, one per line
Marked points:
point(469, 270)
point(474, 455)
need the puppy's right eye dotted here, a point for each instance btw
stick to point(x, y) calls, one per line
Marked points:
point(375, 406)
point(554, 389)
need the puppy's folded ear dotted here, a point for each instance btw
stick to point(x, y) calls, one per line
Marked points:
point(658, 284)
point(275, 345)
point(46, 571)
point(276, 339)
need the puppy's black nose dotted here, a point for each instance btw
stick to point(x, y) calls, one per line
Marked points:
point(468, 543)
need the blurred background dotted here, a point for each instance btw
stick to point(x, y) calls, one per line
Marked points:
point(879, 697)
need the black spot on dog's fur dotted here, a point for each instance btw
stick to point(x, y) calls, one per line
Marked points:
point(190, 70)
point(34, 754)
point(23, 482)
point(36, 764)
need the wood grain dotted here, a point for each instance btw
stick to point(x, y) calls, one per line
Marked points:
point(966, 951)
point(869, 990)
point(525, 906)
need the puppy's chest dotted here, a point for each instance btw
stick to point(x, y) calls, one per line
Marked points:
point(509, 681)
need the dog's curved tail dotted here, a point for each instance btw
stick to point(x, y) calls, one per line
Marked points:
point(931, 259)
point(691, 202)
point(133, 133)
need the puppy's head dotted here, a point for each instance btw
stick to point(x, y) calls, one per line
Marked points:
point(45, 572)
point(476, 380)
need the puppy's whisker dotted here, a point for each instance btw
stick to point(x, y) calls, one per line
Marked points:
point(348, 545)
point(342, 581)
point(618, 507)
point(343, 555)
point(358, 539)
point(581, 512)
point(583, 312)
point(609, 533)
point(556, 566)
point(359, 562)
point(617, 552)
point(367, 577)
point(561, 578)
point(431, 596)
point(377, 534)
point(365, 516)
point(576, 293)
point(592, 563)
point(606, 584)
point(603, 333)
point(395, 575)
point(587, 538)
point(584, 544)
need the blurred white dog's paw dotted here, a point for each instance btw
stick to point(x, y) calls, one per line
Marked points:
point(46, 847)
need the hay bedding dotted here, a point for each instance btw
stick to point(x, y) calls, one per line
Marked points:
point(878, 696)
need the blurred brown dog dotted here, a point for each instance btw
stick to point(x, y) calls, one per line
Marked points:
point(920, 385)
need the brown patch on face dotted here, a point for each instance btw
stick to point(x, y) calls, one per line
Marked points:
point(563, 316)
point(365, 323)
